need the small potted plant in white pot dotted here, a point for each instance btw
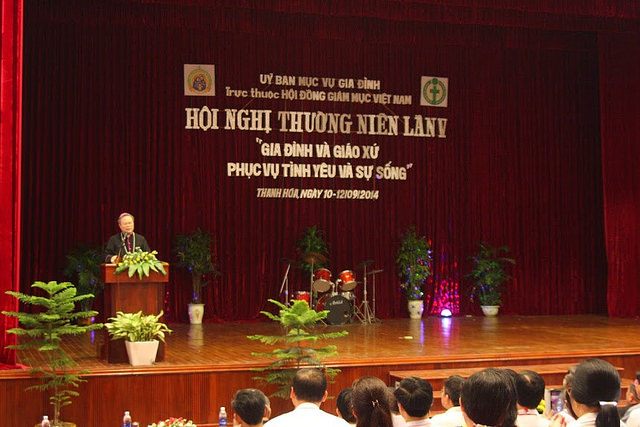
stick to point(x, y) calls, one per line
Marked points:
point(141, 334)
point(414, 268)
point(194, 254)
point(488, 274)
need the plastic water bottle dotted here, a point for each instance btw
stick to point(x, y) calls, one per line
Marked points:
point(45, 421)
point(222, 417)
point(126, 420)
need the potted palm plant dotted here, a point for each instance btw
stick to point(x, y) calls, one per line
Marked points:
point(489, 275)
point(193, 251)
point(414, 268)
point(44, 331)
point(141, 334)
point(83, 263)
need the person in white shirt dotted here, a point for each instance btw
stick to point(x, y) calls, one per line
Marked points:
point(308, 392)
point(593, 392)
point(530, 389)
point(450, 399)
point(415, 397)
point(488, 398)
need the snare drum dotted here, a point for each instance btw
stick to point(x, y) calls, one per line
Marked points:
point(338, 307)
point(348, 280)
point(322, 280)
point(302, 296)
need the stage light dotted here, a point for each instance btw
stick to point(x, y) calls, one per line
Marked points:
point(445, 312)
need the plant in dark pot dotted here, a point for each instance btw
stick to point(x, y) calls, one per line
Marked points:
point(414, 268)
point(83, 264)
point(489, 275)
point(42, 334)
point(193, 251)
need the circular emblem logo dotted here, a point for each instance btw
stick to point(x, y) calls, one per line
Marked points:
point(199, 81)
point(434, 92)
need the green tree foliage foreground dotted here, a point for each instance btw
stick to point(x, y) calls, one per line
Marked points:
point(298, 322)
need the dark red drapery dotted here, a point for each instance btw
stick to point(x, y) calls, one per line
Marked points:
point(522, 164)
point(10, 146)
point(619, 86)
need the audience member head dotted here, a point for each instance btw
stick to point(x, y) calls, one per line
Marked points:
point(371, 402)
point(595, 387)
point(566, 385)
point(530, 389)
point(414, 396)
point(344, 408)
point(250, 406)
point(309, 385)
point(633, 393)
point(451, 391)
point(489, 398)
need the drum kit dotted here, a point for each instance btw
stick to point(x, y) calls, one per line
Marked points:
point(337, 297)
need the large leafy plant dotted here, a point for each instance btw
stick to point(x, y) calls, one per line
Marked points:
point(140, 262)
point(310, 241)
point(43, 332)
point(298, 322)
point(136, 327)
point(414, 263)
point(84, 264)
point(193, 251)
point(488, 273)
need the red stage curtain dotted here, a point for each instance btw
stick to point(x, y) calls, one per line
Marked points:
point(521, 165)
point(619, 88)
point(10, 145)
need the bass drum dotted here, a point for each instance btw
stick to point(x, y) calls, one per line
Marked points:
point(339, 309)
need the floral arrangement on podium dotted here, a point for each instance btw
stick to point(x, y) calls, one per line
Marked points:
point(173, 422)
point(140, 262)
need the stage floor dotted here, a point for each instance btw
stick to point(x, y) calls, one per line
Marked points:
point(224, 346)
point(216, 360)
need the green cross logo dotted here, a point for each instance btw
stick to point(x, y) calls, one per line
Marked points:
point(434, 92)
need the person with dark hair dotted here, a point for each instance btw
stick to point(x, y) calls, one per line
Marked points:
point(530, 390)
point(489, 398)
point(371, 403)
point(592, 392)
point(344, 409)
point(414, 396)
point(633, 399)
point(125, 241)
point(308, 392)
point(450, 399)
point(249, 407)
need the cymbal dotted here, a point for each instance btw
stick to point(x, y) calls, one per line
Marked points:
point(369, 273)
point(313, 257)
point(365, 263)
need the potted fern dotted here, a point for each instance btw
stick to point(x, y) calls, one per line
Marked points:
point(414, 268)
point(489, 275)
point(44, 331)
point(193, 251)
point(141, 334)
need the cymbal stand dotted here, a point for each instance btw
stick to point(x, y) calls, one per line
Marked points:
point(285, 286)
point(311, 283)
point(364, 313)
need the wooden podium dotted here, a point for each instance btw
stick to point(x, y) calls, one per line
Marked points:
point(130, 295)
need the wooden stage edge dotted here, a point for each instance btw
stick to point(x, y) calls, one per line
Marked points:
point(205, 364)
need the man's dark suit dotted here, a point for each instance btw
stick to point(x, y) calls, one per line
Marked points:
point(117, 245)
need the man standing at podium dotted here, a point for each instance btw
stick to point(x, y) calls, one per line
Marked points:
point(125, 241)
